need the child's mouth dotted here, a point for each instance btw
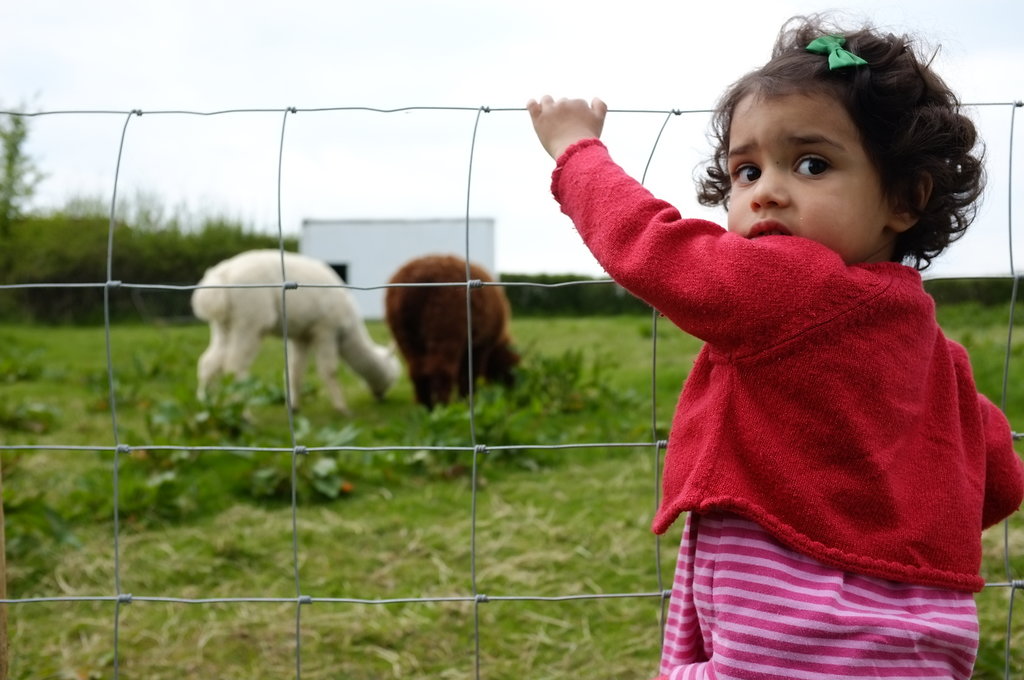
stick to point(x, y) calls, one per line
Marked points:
point(768, 228)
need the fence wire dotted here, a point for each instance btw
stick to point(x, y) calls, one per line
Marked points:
point(478, 449)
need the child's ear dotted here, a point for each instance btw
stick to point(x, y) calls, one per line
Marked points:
point(924, 191)
point(904, 218)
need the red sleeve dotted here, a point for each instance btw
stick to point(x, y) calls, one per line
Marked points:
point(737, 294)
point(1004, 478)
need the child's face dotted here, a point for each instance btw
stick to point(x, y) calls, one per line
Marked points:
point(798, 168)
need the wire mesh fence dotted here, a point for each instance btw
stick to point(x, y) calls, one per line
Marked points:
point(295, 620)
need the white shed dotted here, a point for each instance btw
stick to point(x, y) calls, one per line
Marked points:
point(367, 252)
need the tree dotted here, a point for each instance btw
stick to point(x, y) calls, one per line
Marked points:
point(18, 174)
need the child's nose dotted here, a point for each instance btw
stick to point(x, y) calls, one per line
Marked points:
point(769, 191)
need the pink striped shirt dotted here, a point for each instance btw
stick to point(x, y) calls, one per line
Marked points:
point(745, 606)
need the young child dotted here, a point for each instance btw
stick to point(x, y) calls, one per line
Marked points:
point(835, 460)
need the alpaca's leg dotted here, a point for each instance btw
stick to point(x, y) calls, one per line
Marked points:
point(421, 380)
point(422, 386)
point(442, 383)
point(298, 357)
point(433, 379)
point(325, 352)
point(441, 367)
point(241, 346)
point(211, 362)
point(481, 358)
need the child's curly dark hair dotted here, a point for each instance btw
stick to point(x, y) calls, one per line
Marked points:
point(910, 122)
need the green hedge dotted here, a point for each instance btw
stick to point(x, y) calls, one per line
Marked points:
point(568, 295)
point(985, 291)
point(42, 250)
point(610, 298)
point(73, 250)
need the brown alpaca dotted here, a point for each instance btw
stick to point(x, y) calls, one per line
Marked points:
point(429, 325)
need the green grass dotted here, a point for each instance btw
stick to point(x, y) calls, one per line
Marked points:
point(373, 525)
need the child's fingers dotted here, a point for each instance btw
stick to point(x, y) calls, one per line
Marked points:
point(536, 107)
point(547, 102)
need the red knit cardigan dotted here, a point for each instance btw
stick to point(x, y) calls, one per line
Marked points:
point(826, 403)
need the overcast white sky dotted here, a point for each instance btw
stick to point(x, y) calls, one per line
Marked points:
point(207, 56)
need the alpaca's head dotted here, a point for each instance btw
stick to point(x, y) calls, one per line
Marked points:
point(387, 369)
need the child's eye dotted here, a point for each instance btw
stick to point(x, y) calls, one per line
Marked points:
point(812, 165)
point(745, 174)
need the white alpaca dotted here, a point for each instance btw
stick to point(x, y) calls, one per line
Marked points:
point(324, 320)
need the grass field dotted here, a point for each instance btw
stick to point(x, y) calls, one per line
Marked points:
point(391, 524)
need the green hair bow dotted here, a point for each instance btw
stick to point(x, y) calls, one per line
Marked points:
point(832, 45)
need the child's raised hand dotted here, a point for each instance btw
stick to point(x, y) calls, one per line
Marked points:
point(559, 124)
